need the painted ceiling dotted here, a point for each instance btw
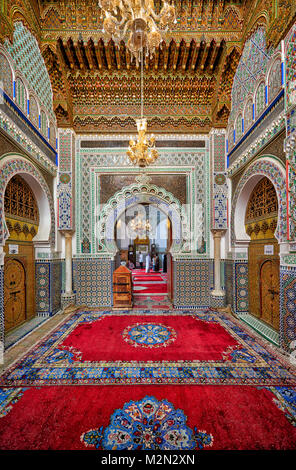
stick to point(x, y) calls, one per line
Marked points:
point(187, 83)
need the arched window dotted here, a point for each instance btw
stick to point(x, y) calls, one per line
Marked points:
point(43, 125)
point(263, 204)
point(274, 80)
point(248, 116)
point(6, 76)
point(52, 135)
point(238, 128)
point(230, 137)
point(260, 99)
point(20, 202)
point(21, 94)
point(34, 113)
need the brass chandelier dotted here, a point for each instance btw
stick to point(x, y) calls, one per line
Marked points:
point(142, 152)
point(139, 225)
point(136, 23)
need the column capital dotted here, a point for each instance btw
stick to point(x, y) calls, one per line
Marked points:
point(218, 233)
point(67, 233)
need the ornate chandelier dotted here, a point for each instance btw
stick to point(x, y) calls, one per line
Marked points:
point(142, 152)
point(136, 23)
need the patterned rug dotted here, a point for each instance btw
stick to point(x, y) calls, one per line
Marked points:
point(189, 381)
point(150, 417)
point(56, 361)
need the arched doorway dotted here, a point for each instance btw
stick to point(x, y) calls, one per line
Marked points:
point(141, 230)
point(261, 221)
point(22, 221)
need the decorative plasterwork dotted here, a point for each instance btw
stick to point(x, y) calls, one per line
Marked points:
point(290, 143)
point(194, 67)
point(138, 194)
point(22, 139)
point(256, 145)
point(161, 137)
point(11, 166)
point(27, 58)
point(270, 167)
point(90, 163)
point(65, 187)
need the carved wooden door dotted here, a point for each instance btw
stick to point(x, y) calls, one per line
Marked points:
point(269, 293)
point(14, 294)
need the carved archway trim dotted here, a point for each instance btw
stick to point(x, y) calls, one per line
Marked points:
point(268, 166)
point(14, 164)
point(138, 193)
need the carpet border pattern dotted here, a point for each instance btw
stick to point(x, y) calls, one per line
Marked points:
point(48, 364)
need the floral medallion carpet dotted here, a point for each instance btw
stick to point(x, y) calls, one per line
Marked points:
point(149, 380)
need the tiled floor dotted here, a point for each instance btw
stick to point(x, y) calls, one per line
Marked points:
point(24, 343)
point(20, 332)
point(23, 338)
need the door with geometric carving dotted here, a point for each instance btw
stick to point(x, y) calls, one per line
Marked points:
point(22, 221)
point(14, 294)
point(263, 253)
point(269, 293)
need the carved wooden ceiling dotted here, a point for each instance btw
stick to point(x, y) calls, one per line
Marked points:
point(187, 84)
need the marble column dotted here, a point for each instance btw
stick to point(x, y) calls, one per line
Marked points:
point(217, 295)
point(68, 297)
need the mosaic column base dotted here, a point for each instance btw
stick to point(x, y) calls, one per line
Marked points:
point(68, 299)
point(217, 300)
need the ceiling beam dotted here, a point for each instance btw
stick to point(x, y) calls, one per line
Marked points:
point(156, 58)
point(176, 56)
point(108, 55)
point(98, 54)
point(205, 55)
point(195, 56)
point(63, 54)
point(214, 56)
point(185, 56)
point(92, 53)
point(165, 49)
point(127, 58)
point(117, 56)
point(73, 54)
point(79, 55)
point(69, 54)
point(89, 57)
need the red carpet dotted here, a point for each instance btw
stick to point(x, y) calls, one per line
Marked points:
point(143, 282)
point(147, 278)
point(195, 339)
point(236, 417)
point(151, 288)
point(57, 396)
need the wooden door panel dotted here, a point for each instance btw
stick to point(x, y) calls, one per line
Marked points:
point(14, 294)
point(269, 293)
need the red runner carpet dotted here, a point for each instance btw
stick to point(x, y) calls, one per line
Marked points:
point(149, 283)
point(151, 288)
point(55, 418)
